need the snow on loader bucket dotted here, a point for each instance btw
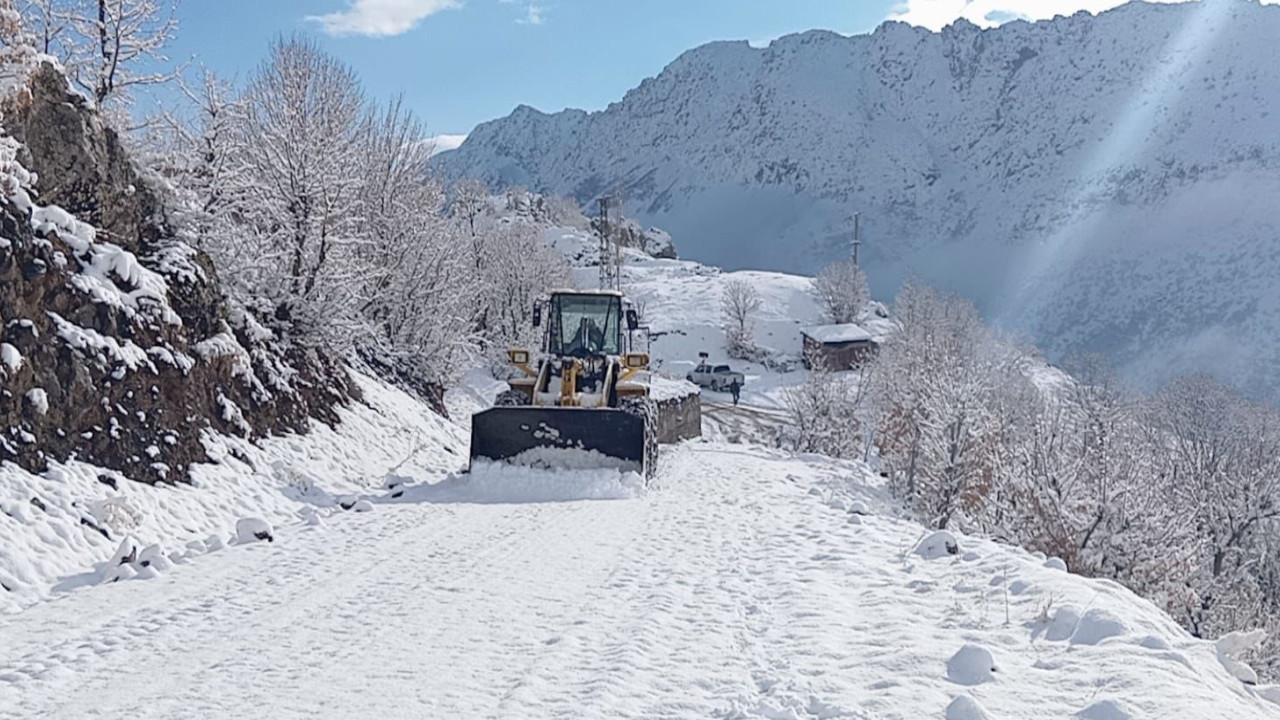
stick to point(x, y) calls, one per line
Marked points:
point(562, 437)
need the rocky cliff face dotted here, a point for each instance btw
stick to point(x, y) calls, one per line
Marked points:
point(116, 346)
point(1103, 183)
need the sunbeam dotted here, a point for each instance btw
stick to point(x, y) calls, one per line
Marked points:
point(1126, 145)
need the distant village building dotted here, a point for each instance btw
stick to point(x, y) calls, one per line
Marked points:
point(841, 347)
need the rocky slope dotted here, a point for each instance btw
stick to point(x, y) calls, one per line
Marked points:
point(1104, 183)
point(116, 346)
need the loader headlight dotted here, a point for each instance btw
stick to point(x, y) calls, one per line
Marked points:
point(518, 357)
point(637, 360)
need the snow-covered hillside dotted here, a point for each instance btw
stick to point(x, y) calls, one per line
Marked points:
point(743, 587)
point(1105, 183)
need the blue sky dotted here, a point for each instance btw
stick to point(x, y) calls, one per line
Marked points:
point(461, 62)
point(462, 65)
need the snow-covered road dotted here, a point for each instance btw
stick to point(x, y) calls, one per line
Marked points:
point(738, 588)
point(742, 423)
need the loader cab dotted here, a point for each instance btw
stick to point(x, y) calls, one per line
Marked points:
point(587, 324)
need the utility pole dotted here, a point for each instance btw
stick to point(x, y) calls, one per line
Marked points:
point(604, 242)
point(857, 235)
point(610, 275)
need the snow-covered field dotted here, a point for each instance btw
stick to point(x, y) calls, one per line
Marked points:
point(740, 587)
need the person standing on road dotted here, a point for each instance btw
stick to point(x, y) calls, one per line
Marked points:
point(735, 387)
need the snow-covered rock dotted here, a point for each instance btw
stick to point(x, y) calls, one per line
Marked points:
point(249, 530)
point(964, 707)
point(1063, 624)
point(154, 556)
point(38, 401)
point(938, 544)
point(117, 573)
point(1108, 709)
point(102, 300)
point(1232, 645)
point(126, 552)
point(971, 665)
point(1065, 195)
point(1097, 625)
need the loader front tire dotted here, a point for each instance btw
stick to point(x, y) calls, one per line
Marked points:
point(510, 398)
point(647, 410)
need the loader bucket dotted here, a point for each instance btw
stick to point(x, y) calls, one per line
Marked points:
point(559, 437)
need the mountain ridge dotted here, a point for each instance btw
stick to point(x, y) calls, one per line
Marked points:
point(1100, 183)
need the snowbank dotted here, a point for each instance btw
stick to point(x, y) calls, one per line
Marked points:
point(55, 528)
point(504, 483)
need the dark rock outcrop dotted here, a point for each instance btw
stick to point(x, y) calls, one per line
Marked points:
point(117, 347)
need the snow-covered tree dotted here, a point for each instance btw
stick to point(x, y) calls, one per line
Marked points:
point(565, 212)
point(841, 291)
point(117, 44)
point(18, 49)
point(49, 22)
point(419, 291)
point(739, 301)
point(304, 130)
point(826, 411)
point(1222, 456)
point(942, 420)
point(199, 150)
point(516, 270)
point(470, 199)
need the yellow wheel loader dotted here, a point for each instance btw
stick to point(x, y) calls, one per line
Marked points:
point(583, 400)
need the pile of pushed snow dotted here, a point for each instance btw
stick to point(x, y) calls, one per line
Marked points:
point(60, 530)
point(506, 483)
point(662, 388)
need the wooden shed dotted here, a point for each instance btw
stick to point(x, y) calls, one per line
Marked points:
point(842, 347)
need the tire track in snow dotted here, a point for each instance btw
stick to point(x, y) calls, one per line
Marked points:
point(321, 567)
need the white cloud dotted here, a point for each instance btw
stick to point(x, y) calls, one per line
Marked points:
point(381, 18)
point(937, 14)
point(440, 143)
point(533, 12)
point(532, 16)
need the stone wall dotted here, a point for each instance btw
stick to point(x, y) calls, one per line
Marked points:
point(679, 418)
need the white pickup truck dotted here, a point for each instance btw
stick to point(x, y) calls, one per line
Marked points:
point(716, 377)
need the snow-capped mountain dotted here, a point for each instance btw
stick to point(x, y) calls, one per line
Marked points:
point(1105, 183)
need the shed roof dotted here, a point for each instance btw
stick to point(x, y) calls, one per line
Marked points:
point(835, 334)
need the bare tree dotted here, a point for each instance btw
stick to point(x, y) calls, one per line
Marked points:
point(841, 290)
point(738, 303)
